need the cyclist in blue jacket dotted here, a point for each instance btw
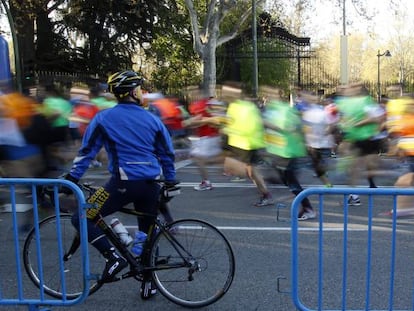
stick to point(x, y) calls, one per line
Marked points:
point(139, 151)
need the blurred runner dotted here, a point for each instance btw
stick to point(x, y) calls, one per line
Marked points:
point(245, 138)
point(285, 143)
point(85, 108)
point(360, 123)
point(172, 115)
point(57, 110)
point(400, 125)
point(205, 138)
point(319, 124)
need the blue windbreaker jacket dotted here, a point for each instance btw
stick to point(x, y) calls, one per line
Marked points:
point(138, 144)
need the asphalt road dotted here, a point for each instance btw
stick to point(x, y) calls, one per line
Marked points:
point(261, 241)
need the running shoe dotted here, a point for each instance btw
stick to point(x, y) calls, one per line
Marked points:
point(264, 200)
point(352, 201)
point(203, 186)
point(237, 179)
point(307, 214)
point(402, 212)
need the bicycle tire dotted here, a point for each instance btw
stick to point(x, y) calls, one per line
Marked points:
point(73, 274)
point(209, 251)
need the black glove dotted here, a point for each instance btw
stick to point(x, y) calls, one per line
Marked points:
point(171, 183)
point(67, 190)
point(170, 190)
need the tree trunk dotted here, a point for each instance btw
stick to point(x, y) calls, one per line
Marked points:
point(95, 36)
point(45, 47)
point(209, 68)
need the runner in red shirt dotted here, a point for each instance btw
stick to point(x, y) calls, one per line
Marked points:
point(206, 139)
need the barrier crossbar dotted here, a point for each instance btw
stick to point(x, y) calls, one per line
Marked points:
point(15, 286)
point(352, 261)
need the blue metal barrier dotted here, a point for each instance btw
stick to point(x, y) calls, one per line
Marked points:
point(354, 262)
point(35, 301)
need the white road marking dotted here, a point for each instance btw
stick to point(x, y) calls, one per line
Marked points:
point(311, 229)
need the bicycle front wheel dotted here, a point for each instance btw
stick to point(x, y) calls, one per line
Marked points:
point(193, 263)
point(56, 283)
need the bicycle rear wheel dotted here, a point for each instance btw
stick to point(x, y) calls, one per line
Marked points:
point(196, 267)
point(49, 266)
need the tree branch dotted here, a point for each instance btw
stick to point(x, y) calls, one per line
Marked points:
point(194, 25)
point(209, 19)
point(233, 33)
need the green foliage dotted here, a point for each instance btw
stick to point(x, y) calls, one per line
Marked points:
point(177, 65)
point(108, 31)
point(89, 36)
point(233, 17)
point(98, 37)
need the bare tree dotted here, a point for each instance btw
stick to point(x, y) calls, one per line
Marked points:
point(206, 31)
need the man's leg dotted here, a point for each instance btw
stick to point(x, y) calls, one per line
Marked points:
point(104, 206)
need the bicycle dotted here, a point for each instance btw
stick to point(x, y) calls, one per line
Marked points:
point(190, 261)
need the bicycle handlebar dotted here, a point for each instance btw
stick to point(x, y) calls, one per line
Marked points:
point(166, 192)
point(168, 189)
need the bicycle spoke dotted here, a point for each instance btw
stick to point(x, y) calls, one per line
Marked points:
point(49, 267)
point(201, 272)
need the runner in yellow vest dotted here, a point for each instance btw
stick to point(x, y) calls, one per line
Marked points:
point(400, 124)
point(245, 140)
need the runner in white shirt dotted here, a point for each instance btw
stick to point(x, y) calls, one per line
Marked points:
point(319, 124)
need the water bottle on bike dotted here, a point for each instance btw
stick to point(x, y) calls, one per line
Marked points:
point(122, 232)
point(139, 241)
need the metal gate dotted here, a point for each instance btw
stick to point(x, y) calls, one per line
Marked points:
point(15, 287)
point(354, 262)
point(284, 59)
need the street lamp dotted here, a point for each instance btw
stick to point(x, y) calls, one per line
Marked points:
point(387, 53)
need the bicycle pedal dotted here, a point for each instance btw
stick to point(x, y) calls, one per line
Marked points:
point(147, 290)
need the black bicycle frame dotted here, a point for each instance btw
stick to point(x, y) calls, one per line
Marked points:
point(174, 242)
